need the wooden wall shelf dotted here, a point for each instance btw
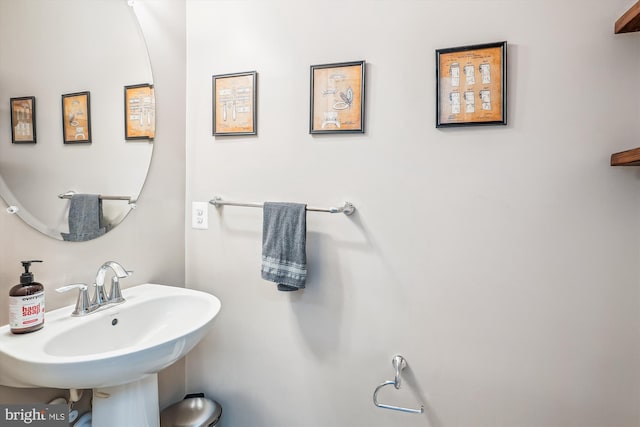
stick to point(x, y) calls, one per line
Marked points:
point(630, 21)
point(626, 158)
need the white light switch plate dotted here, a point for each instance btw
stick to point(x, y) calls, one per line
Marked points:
point(200, 215)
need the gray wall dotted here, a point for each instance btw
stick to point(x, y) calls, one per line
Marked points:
point(501, 261)
point(151, 239)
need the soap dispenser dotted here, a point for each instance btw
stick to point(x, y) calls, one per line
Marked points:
point(26, 303)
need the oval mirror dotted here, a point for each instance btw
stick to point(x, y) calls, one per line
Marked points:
point(65, 65)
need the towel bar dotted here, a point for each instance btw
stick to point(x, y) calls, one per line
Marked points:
point(399, 363)
point(347, 209)
point(68, 195)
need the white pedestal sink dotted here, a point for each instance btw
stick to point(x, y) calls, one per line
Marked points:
point(116, 351)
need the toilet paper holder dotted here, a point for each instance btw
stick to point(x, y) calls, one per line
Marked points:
point(399, 363)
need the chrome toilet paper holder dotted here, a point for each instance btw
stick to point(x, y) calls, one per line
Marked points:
point(399, 363)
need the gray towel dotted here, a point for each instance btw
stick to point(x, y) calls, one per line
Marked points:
point(284, 238)
point(85, 218)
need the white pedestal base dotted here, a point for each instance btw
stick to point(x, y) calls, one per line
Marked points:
point(132, 404)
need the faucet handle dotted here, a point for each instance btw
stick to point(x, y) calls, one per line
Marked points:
point(82, 304)
point(81, 286)
point(115, 295)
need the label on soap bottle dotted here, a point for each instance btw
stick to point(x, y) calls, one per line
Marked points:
point(26, 311)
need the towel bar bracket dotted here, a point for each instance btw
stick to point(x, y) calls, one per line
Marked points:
point(348, 209)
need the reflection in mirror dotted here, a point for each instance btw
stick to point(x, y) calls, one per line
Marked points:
point(55, 48)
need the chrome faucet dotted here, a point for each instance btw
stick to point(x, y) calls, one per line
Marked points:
point(100, 298)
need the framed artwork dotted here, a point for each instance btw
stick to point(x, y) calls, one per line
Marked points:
point(76, 118)
point(23, 120)
point(139, 112)
point(337, 98)
point(471, 85)
point(234, 104)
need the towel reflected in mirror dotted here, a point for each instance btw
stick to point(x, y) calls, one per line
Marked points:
point(86, 221)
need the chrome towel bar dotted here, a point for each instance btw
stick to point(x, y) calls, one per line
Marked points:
point(347, 209)
point(69, 194)
point(399, 363)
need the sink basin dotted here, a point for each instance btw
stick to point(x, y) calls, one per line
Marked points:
point(120, 344)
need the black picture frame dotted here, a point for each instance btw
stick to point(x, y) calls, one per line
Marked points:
point(139, 112)
point(471, 85)
point(337, 98)
point(235, 104)
point(23, 120)
point(76, 118)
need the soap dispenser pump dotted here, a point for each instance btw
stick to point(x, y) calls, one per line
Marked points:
point(26, 303)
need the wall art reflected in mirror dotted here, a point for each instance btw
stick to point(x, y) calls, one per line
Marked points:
point(76, 117)
point(23, 119)
point(139, 112)
point(87, 60)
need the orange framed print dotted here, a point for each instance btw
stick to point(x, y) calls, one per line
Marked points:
point(471, 85)
point(139, 112)
point(23, 120)
point(337, 98)
point(76, 118)
point(234, 104)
